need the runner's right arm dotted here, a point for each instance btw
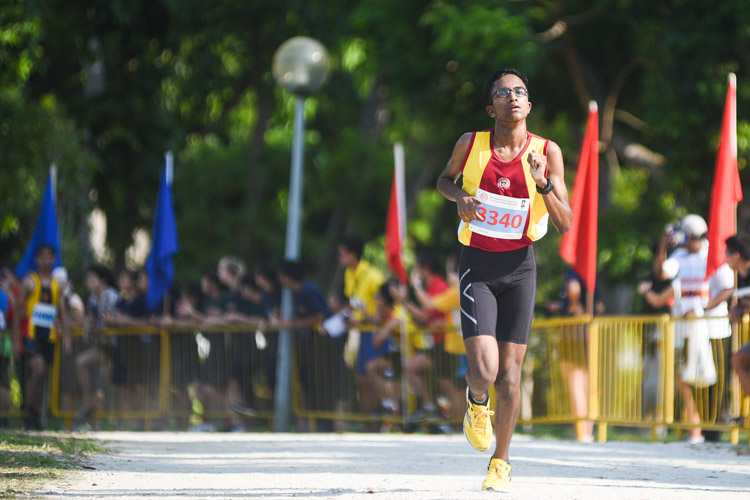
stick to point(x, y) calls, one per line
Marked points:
point(446, 184)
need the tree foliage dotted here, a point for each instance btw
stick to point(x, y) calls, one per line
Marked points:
point(104, 88)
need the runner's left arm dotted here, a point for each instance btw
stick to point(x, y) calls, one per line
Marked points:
point(556, 200)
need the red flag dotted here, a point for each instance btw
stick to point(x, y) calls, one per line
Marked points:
point(727, 191)
point(395, 223)
point(578, 246)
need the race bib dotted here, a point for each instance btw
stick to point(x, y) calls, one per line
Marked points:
point(43, 315)
point(504, 217)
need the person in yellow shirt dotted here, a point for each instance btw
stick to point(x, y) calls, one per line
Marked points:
point(46, 315)
point(361, 283)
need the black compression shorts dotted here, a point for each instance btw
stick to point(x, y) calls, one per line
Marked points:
point(498, 290)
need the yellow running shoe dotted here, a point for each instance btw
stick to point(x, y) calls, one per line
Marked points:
point(498, 476)
point(478, 424)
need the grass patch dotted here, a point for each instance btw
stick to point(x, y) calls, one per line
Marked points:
point(27, 462)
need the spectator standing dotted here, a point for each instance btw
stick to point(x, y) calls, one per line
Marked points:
point(250, 308)
point(267, 278)
point(6, 343)
point(574, 357)
point(241, 345)
point(427, 283)
point(46, 314)
point(101, 305)
point(738, 258)
point(131, 357)
point(659, 302)
point(339, 306)
point(448, 303)
point(361, 283)
point(383, 371)
point(249, 311)
point(230, 272)
point(694, 297)
point(312, 349)
point(214, 301)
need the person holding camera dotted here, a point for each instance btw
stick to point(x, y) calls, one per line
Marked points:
point(692, 296)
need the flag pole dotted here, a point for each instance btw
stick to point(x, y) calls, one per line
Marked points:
point(398, 158)
point(169, 163)
point(53, 177)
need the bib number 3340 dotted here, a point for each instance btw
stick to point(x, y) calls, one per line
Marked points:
point(504, 217)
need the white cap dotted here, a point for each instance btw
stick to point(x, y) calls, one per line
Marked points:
point(694, 226)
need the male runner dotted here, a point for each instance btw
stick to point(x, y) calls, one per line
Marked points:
point(512, 184)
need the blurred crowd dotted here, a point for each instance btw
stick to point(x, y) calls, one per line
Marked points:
point(374, 332)
point(353, 330)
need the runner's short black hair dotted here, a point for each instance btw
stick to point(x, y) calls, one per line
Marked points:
point(499, 74)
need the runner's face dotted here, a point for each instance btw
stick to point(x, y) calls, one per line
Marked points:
point(513, 108)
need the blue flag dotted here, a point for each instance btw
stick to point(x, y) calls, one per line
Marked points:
point(163, 244)
point(45, 233)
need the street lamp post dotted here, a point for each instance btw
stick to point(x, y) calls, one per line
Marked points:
point(300, 65)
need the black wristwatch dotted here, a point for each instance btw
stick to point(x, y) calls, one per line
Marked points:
point(546, 189)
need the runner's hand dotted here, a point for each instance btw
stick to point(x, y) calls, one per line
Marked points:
point(467, 208)
point(537, 167)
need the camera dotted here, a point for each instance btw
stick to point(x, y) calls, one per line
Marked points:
point(675, 236)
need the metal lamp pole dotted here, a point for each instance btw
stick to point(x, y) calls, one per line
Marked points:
point(300, 65)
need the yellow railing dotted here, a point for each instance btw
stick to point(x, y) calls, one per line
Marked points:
point(622, 371)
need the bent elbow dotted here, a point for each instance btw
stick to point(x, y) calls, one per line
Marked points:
point(562, 226)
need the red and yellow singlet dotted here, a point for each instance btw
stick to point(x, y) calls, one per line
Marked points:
point(514, 212)
point(41, 307)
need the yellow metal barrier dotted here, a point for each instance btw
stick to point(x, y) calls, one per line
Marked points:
point(622, 371)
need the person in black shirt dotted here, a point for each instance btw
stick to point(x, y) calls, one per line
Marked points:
point(129, 359)
point(310, 309)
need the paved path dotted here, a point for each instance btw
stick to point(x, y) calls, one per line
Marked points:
point(391, 466)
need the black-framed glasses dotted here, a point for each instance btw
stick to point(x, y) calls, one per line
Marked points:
point(505, 92)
